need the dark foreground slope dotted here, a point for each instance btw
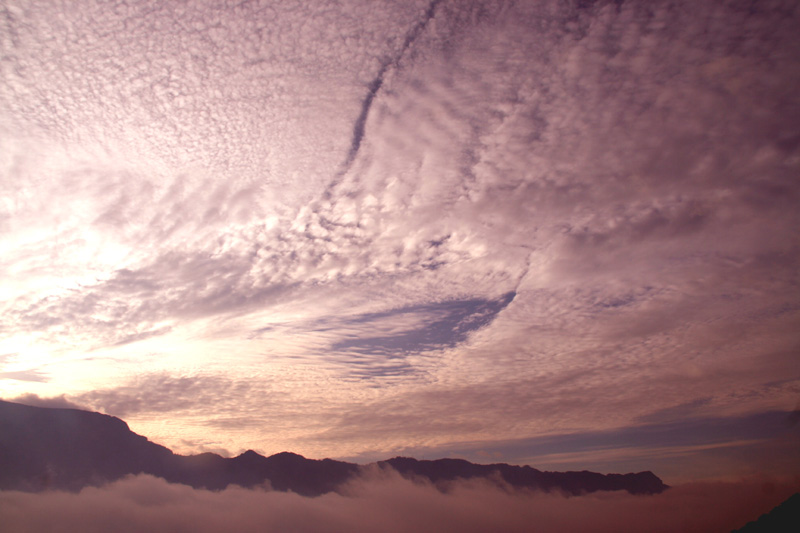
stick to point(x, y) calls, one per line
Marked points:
point(43, 448)
point(784, 517)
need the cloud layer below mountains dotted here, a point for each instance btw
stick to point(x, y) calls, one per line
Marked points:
point(382, 501)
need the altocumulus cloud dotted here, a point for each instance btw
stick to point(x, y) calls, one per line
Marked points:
point(323, 206)
point(382, 501)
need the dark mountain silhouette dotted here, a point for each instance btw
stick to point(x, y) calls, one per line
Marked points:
point(44, 448)
point(68, 449)
point(784, 517)
point(443, 470)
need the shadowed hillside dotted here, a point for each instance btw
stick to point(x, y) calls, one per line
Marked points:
point(784, 517)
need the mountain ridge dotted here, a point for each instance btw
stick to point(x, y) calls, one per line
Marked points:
point(44, 448)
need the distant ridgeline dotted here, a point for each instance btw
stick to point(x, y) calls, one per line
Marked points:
point(68, 449)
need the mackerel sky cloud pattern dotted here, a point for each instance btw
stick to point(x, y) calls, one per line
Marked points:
point(354, 229)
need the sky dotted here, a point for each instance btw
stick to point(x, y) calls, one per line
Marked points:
point(561, 233)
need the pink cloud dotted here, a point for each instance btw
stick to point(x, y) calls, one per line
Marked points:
point(384, 502)
point(57, 402)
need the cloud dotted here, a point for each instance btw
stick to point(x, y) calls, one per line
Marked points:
point(26, 375)
point(328, 204)
point(385, 502)
point(58, 402)
point(163, 393)
point(375, 85)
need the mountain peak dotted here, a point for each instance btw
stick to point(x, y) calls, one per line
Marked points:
point(288, 455)
point(248, 455)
